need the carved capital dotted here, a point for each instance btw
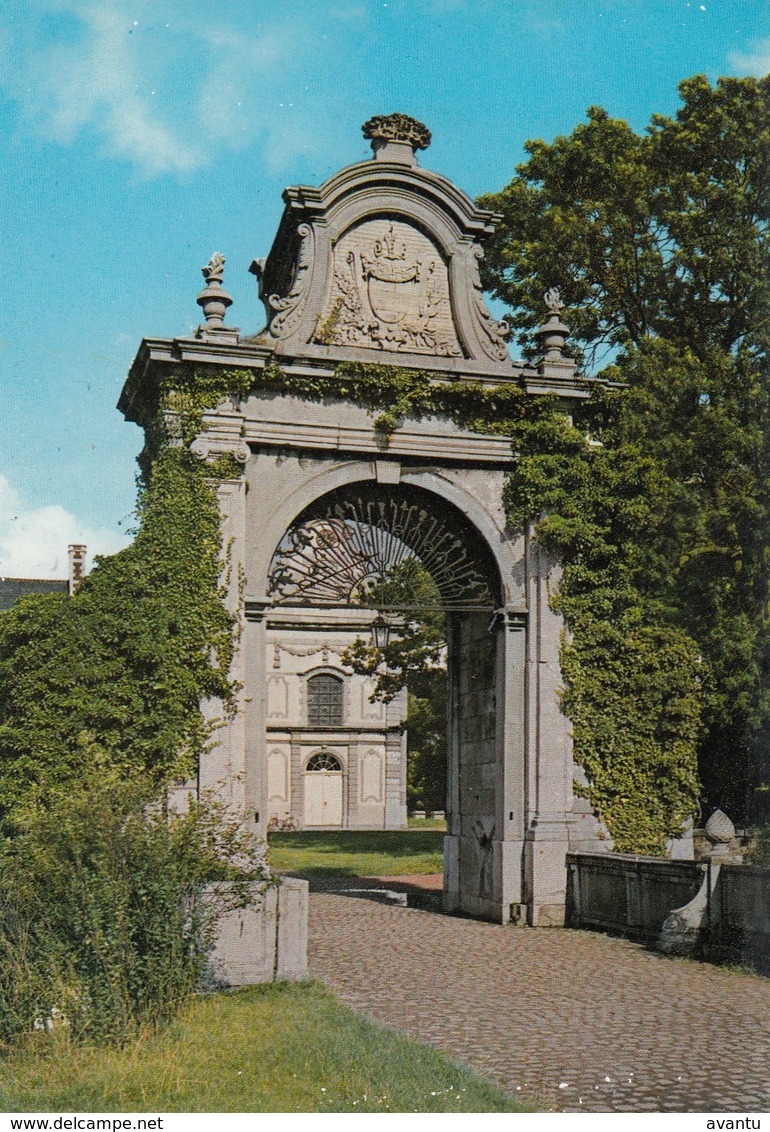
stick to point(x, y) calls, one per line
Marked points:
point(200, 448)
point(208, 448)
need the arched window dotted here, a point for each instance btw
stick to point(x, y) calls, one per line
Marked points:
point(324, 700)
point(325, 760)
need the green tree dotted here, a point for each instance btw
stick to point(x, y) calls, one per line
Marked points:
point(662, 234)
point(426, 737)
point(660, 246)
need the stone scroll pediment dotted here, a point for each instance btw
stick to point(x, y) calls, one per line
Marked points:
point(382, 263)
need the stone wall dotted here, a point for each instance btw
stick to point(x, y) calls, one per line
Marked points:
point(708, 910)
point(629, 894)
point(265, 942)
point(739, 916)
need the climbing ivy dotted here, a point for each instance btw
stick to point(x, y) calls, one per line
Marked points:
point(185, 394)
point(633, 678)
point(400, 393)
point(118, 672)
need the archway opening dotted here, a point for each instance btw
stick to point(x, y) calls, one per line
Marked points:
point(412, 724)
point(348, 543)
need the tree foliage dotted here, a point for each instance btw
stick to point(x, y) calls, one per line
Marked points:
point(418, 639)
point(660, 246)
point(415, 659)
point(660, 234)
point(426, 721)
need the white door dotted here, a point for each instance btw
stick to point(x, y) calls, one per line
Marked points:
point(323, 797)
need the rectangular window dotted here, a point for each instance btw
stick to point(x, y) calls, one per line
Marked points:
point(324, 701)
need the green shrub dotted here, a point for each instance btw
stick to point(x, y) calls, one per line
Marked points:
point(759, 847)
point(104, 928)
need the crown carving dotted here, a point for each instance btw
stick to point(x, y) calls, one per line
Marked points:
point(397, 128)
point(389, 247)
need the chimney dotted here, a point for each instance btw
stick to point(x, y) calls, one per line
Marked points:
point(77, 554)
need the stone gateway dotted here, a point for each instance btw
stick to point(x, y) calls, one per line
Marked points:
point(381, 264)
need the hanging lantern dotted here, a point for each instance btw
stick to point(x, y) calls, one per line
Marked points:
point(380, 633)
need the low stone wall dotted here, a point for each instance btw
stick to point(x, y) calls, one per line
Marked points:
point(632, 895)
point(265, 942)
point(704, 909)
point(738, 929)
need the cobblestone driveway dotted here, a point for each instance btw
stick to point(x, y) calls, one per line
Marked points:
point(576, 1019)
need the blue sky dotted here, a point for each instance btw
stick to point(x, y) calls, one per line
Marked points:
point(142, 135)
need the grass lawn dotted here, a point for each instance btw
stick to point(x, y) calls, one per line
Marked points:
point(377, 852)
point(427, 823)
point(277, 1048)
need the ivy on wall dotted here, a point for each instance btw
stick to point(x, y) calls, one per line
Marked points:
point(633, 680)
point(117, 673)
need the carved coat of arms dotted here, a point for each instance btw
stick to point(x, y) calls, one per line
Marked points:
point(388, 297)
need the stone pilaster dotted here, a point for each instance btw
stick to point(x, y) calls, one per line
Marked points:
point(549, 769)
point(255, 715)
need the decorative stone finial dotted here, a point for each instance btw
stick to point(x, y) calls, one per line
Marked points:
point(719, 829)
point(213, 299)
point(396, 137)
point(553, 301)
point(398, 128)
point(553, 333)
point(214, 270)
point(721, 833)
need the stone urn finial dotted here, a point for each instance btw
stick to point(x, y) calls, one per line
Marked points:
point(553, 333)
point(213, 299)
point(396, 137)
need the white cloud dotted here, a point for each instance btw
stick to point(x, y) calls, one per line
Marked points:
point(34, 540)
point(754, 62)
point(167, 87)
point(96, 79)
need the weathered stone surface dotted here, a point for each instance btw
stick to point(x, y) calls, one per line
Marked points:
point(381, 260)
point(265, 942)
point(390, 291)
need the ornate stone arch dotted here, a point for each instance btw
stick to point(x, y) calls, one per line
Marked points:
point(512, 814)
point(353, 539)
point(441, 487)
